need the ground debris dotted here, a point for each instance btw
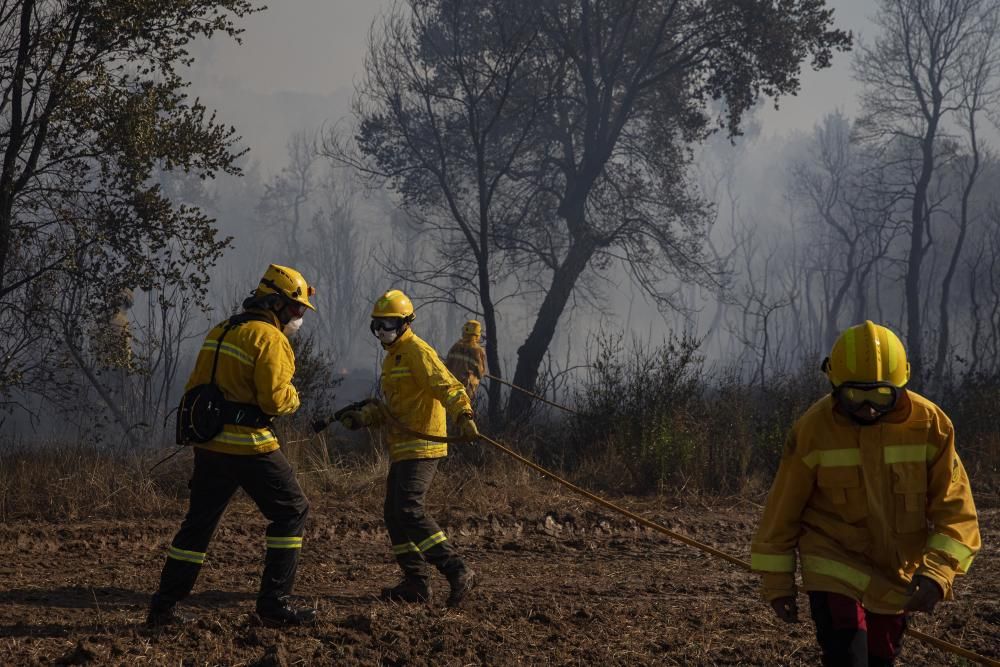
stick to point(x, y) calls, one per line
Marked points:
point(611, 595)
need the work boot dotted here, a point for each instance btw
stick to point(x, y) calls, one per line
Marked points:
point(462, 584)
point(162, 616)
point(282, 613)
point(407, 590)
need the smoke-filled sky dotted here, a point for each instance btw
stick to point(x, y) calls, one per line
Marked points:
point(299, 60)
point(297, 67)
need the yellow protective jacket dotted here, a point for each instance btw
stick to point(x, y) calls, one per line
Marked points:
point(867, 507)
point(467, 362)
point(420, 392)
point(256, 364)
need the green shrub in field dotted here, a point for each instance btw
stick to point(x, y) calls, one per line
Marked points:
point(653, 419)
point(640, 408)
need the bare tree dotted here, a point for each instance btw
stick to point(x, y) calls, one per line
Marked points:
point(758, 301)
point(308, 211)
point(912, 75)
point(979, 92)
point(445, 113)
point(848, 216)
point(635, 77)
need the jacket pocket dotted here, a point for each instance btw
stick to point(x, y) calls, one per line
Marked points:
point(909, 489)
point(842, 486)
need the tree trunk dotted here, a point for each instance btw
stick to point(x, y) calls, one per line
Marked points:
point(493, 393)
point(531, 353)
point(918, 218)
point(945, 332)
point(15, 134)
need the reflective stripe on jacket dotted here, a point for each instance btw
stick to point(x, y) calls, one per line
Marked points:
point(467, 362)
point(867, 507)
point(256, 364)
point(420, 392)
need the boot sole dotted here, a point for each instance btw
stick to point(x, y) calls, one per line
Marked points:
point(454, 604)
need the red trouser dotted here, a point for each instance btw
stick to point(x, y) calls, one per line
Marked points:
point(851, 636)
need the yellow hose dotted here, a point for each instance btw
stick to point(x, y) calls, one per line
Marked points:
point(531, 393)
point(652, 525)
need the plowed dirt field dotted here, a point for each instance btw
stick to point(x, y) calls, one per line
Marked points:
point(560, 585)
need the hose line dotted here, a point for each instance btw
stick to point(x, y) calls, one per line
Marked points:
point(532, 394)
point(652, 525)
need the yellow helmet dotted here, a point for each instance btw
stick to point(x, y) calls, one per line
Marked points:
point(287, 282)
point(472, 328)
point(393, 304)
point(867, 353)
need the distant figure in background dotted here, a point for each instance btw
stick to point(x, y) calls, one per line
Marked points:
point(467, 359)
point(247, 357)
point(420, 395)
point(872, 496)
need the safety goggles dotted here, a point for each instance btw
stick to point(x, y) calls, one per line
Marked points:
point(879, 396)
point(386, 323)
point(296, 309)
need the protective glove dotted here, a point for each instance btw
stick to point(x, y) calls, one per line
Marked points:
point(924, 594)
point(354, 419)
point(786, 608)
point(467, 427)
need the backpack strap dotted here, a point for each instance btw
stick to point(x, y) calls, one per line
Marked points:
point(241, 414)
point(231, 324)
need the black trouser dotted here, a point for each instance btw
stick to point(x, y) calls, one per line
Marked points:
point(270, 482)
point(416, 538)
point(851, 636)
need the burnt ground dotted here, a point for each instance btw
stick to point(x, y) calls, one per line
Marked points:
point(561, 584)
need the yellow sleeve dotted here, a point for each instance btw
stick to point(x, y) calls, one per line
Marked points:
point(442, 385)
point(954, 539)
point(772, 552)
point(272, 375)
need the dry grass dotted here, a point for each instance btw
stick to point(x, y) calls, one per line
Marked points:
point(71, 482)
point(59, 481)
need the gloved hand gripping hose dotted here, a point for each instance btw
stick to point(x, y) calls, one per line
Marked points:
point(390, 419)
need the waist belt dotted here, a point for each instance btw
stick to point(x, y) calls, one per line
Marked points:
point(245, 414)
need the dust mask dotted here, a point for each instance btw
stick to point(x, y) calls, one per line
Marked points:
point(387, 337)
point(293, 326)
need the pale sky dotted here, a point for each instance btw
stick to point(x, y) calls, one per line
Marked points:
point(299, 60)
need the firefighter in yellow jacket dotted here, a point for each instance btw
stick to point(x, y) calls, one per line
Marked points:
point(872, 497)
point(467, 359)
point(419, 393)
point(248, 357)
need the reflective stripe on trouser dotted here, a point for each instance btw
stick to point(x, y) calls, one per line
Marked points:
point(416, 538)
point(270, 482)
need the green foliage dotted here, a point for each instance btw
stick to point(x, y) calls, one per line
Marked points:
point(654, 419)
point(93, 112)
point(643, 404)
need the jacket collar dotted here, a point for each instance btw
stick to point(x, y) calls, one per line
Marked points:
point(271, 316)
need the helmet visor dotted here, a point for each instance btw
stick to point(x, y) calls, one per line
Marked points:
point(879, 396)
